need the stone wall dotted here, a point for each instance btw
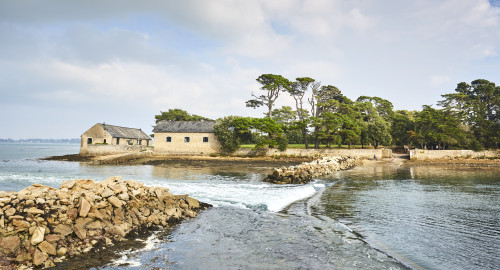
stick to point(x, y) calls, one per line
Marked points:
point(360, 153)
point(306, 171)
point(108, 149)
point(40, 225)
point(177, 144)
point(421, 154)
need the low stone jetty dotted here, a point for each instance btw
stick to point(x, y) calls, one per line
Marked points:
point(306, 171)
point(41, 226)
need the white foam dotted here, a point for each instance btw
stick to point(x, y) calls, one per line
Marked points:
point(245, 195)
point(125, 260)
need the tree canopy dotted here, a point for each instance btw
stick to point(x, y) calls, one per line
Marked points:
point(179, 115)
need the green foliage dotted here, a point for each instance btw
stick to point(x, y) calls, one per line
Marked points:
point(378, 132)
point(478, 106)
point(227, 135)
point(272, 85)
point(178, 115)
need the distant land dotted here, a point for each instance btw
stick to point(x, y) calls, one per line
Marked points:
point(35, 140)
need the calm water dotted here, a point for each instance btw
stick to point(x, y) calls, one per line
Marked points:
point(379, 217)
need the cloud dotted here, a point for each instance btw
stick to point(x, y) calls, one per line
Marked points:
point(130, 60)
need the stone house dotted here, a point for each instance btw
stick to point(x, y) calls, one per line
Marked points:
point(103, 139)
point(185, 137)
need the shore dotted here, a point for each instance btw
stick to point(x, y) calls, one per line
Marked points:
point(254, 161)
point(191, 160)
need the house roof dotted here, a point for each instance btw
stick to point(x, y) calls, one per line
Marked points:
point(185, 126)
point(125, 132)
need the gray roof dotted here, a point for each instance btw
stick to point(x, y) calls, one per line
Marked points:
point(125, 132)
point(185, 126)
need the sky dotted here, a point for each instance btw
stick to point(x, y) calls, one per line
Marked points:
point(66, 65)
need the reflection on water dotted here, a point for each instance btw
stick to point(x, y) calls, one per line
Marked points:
point(183, 172)
point(430, 217)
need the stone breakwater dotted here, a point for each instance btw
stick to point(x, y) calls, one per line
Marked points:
point(41, 225)
point(306, 171)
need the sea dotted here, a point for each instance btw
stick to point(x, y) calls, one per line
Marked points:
point(383, 215)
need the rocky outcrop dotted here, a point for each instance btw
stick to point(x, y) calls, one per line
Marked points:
point(41, 225)
point(305, 172)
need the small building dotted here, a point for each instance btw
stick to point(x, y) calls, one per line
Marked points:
point(185, 137)
point(103, 139)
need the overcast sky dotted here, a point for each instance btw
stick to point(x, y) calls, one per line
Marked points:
point(65, 65)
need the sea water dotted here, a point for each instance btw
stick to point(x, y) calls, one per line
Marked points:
point(380, 217)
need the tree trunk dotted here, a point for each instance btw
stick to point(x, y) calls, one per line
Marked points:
point(304, 136)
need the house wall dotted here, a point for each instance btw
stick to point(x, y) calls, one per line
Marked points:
point(100, 136)
point(178, 146)
point(107, 149)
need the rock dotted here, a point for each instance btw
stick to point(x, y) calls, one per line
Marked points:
point(72, 213)
point(107, 193)
point(115, 201)
point(11, 211)
point(68, 184)
point(61, 251)
point(95, 225)
point(193, 203)
point(40, 220)
point(96, 214)
point(34, 211)
point(51, 238)
point(63, 229)
point(20, 224)
point(38, 235)
point(47, 248)
point(84, 207)
point(9, 245)
point(49, 264)
point(39, 257)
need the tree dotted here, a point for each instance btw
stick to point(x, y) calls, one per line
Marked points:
point(287, 118)
point(382, 106)
point(178, 115)
point(229, 132)
point(402, 122)
point(274, 132)
point(272, 85)
point(378, 132)
point(438, 128)
point(478, 106)
point(298, 90)
point(324, 99)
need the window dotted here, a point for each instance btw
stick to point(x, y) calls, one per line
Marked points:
point(169, 139)
point(205, 139)
point(139, 142)
point(187, 139)
point(104, 140)
point(117, 141)
point(129, 142)
point(89, 140)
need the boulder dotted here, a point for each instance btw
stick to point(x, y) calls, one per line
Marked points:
point(39, 257)
point(9, 245)
point(115, 201)
point(38, 235)
point(47, 247)
point(84, 207)
point(63, 229)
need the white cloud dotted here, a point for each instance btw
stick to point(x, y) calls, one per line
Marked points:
point(131, 60)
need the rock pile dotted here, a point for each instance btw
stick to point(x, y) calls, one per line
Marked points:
point(306, 171)
point(41, 225)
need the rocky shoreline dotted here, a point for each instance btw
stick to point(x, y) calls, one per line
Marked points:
point(41, 226)
point(306, 171)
